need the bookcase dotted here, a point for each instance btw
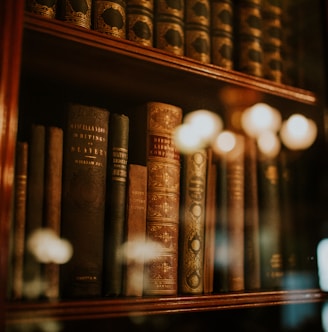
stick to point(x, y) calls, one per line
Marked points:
point(45, 63)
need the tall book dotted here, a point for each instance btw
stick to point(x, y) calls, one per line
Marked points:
point(19, 219)
point(271, 259)
point(77, 12)
point(192, 223)
point(248, 49)
point(46, 8)
point(169, 26)
point(210, 220)
point(135, 230)
point(272, 39)
point(152, 144)
point(116, 200)
point(110, 17)
point(140, 21)
point(197, 30)
point(83, 199)
point(252, 244)
point(34, 208)
point(52, 201)
point(222, 33)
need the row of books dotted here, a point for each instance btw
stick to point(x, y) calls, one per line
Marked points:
point(245, 35)
point(142, 218)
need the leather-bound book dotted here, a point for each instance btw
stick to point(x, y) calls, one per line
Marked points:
point(115, 206)
point(197, 30)
point(169, 26)
point(152, 144)
point(83, 199)
point(77, 12)
point(222, 33)
point(46, 8)
point(135, 230)
point(140, 21)
point(19, 219)
point(52, 201)
point(192, 223)
point(110, 17)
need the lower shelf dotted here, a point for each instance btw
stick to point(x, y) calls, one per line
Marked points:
point(20, 312)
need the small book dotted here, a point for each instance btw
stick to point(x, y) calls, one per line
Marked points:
point(42, 7)
point(77, 12)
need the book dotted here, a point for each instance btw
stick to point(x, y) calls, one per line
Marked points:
point(272, 39)
point(52, 201)
point(248, 49)
point(222, 33)
point(252, 243)
point(83, 199)
point(19, 219)
point(152, 145)
point(116, 202)
point(271, 258)
point(210, 219)
point(197, 30)
point(46, 8)
point(140, 21)
point(34, 209)
point(169, 26)
point(110, 17)
point(192, 222)
point(135, 230)
point(77, 12)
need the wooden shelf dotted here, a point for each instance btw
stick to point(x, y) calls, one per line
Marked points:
point(104, 308)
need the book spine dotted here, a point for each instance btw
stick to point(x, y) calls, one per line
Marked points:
point(83, 199)
point(222, 32)
point(140, 21)
point(163, 199)
point(52, 200)
point(270, 224)
point(110, 17)
point(34, 208)
point(19, 219)
point(192, 223)
point(77, 12)
point(169, 26)
point(197, 30)
point(43, 8)
point(135, 230)
point(252, 244)
point(248, 50)
point(116, 200)
point(272, 37)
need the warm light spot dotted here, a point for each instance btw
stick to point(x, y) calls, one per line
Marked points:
point(269, 144)
point(186, 140)
point(224, 142)
point(322, 262)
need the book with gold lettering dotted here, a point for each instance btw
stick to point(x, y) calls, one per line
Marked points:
point(83, 199)
point(152, 144)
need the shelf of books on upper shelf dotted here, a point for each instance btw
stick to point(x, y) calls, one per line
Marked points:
point(53, 48)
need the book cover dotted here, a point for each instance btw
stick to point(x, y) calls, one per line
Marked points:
point(34, 208)
point(115, 203)
point(77, 12)
point(46, 8)
point(152, 144)
point(135, 230)
point(110, 17)
point(197, 30)
point(140, 21)
point(52, 201)
point(222, 33)
point(169, 26)
point(83, 199)
point(192, 223)
point(19, 219)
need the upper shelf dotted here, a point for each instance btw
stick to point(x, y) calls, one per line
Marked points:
point(105, 308)
point(103, 64)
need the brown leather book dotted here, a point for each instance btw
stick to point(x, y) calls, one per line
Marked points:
point(192, 223)
point(43, 8)
point(77, 12)
point(83, 199)
point(152, 145)
point(135, 230)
